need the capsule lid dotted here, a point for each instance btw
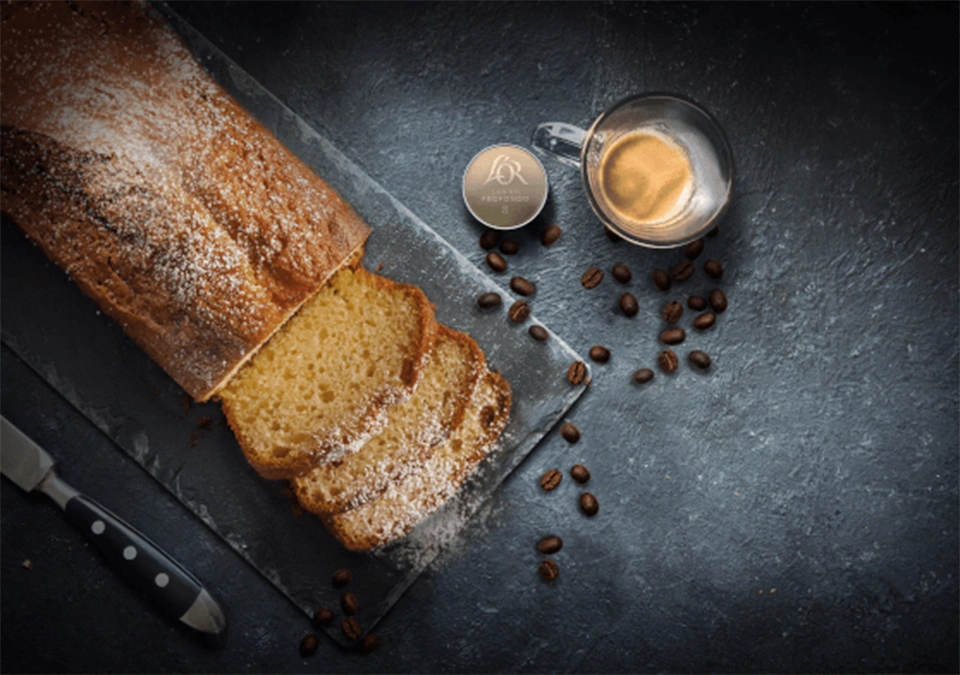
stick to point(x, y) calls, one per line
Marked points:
point(505, 186)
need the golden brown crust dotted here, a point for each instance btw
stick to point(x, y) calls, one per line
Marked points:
point(311, 446)
point(171, 207)
point(378, 472)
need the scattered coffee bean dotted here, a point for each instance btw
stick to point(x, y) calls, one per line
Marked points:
point(668, 361)
point(622, 273)
point(661, 279)
point(550, 235)
point(496, 261)
point(697, 303)
point(714, 232)
point(699, 359)
point(570, 432)
point(643, 376)
point(599, 353)
point(550, 545)
point(549, 570)
point(580, 473)
point(509, 246)
point(551, 479)
point(369, 642)
point(672, 311)
point(521, 286)
point(351, 628)
point(519, 311)
point(309, 645)
point(488, 300)
point(539, 333)
point(629, 304)
point(693, 249)
point(718, 300)
point(713, 268)
point(341, 577)
point(489, 239)
point(592, 277)
point(577, 372)
point(323, 616)
point(349, 604)
point(673, 336)
point(705, 321)
point(611, 235)
point(589, 504)
point(683, 270)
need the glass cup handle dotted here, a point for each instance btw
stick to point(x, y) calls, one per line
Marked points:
point(563, 141)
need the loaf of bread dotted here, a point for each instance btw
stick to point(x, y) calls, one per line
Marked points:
point(411, 499)
point(327, 380)
point(413, 429)
point(178, 213)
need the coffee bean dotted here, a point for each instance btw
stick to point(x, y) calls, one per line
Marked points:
point(611, 235)
point(496, 261)
point(489, 239)
point(699, 359)
point(351, 628)
point(599, 353)
point(323, 616)
point(643, 376)
point(369, 642)
point(580, 473)
point(549, 570)
point(519, 311)
point(577, 372)
point(309, 645)
point(673, 336)
point(714, 232)
point(539, 333)
point(550, 545)
point(697, 303)
point(661, 279)
point(629, 304)
point(341, 577)
point(718, 300)
point(550, 235)
point(622, 273)
point(705, 321)
point(521, 286)
point(551, 479)
point(509, 246)
point(349, 604)
point(713, 268)
point(592, 277)
point(683, 270)
point(570, 432)
point(672, 311)
point(488, 300)
point(693, 249)
point(668, 361)
point(589, 504)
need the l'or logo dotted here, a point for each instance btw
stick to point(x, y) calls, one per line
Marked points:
point(504, 170)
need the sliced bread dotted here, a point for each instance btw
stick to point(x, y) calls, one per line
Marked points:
point(413, 429)
point(407, 502)
point(323, 384)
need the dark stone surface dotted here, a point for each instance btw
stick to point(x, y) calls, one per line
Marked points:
point(793, 509)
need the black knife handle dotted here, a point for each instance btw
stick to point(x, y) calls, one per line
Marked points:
point(138, 559)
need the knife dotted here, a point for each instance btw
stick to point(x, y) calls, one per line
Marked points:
point(176, 591)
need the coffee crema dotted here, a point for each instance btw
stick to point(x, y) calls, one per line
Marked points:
point(645, 178)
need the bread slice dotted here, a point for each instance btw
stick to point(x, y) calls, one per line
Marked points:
point(413, 429)
point(407, 502)
point(323, 384)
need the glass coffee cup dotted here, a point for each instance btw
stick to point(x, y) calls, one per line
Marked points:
point(657, 168)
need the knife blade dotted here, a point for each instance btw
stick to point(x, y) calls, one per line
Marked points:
point(177, 592)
